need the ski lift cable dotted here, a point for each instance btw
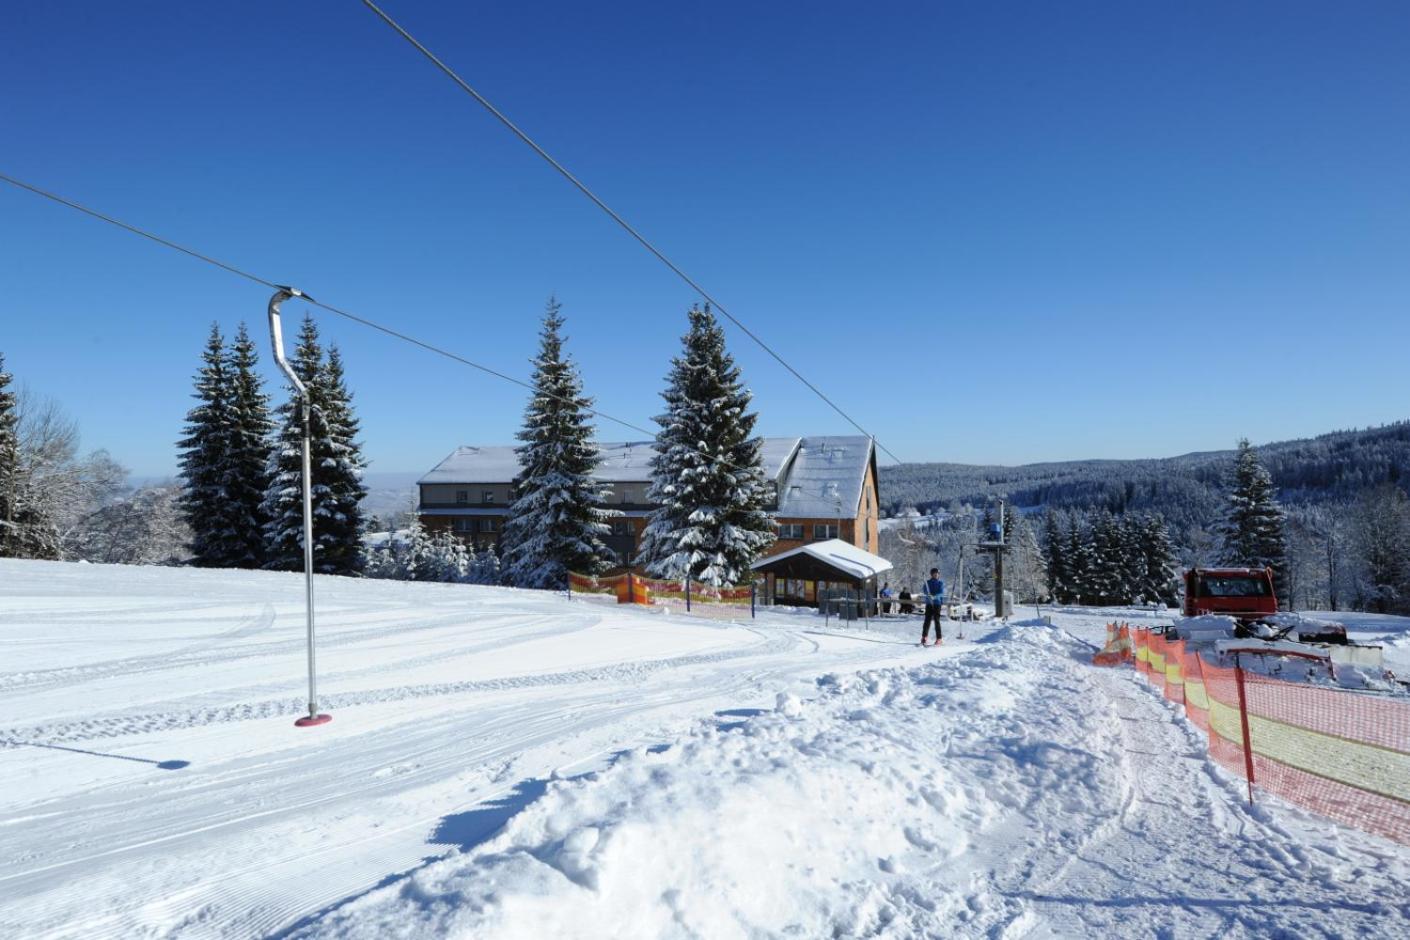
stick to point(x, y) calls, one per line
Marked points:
point(364, 321)
point(611, 213)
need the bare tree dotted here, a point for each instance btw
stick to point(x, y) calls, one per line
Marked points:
point(145, 527)
point(54, 488)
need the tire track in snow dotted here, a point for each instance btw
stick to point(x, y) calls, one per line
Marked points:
point(507, 734)
point(97, 728)
point(198, 654)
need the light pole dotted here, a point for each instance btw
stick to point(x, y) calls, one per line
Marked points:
point(276, 334)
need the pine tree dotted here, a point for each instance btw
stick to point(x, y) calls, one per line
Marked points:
point(204, 460)
point(247, 474)
point(1132, 560)
point(1055, 559)
point(337, 468)
point(487, 566)
point(342, 472)
point(9, 461)
point(1081, 562)
point(1158, 557)
point(558, 518)
point(1011, 522)
point(1107, 567)
point(1253, 529)
point(711, 520)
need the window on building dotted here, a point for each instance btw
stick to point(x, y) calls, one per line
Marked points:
point(821, 531)
point(489, 524)
point(487, 496)
point(462, 496)
point(791, 530)
point(463, 525)
point(621, 527)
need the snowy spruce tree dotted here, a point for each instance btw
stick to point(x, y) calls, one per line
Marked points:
point(485, 567)
point(337, 468)
point(1081, 562)
point(1159, 562)
point(247, 473)
point(205, 460)
point(711, 521)
point(1252, 533)
point(1055, 559)
point(559, 517)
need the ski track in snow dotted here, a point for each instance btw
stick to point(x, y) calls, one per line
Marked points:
point(999, 788)
point(476, 740)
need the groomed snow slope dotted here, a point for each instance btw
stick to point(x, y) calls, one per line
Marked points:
point(152, 782)
point(507, 764)
point(1015, 791)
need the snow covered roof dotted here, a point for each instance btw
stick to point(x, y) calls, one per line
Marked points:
point(630, 462)
point(775, 453)
point(475, 465)
point(825, 476)
point(844, 556)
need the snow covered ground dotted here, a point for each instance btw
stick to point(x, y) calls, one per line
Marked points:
point(506, 763)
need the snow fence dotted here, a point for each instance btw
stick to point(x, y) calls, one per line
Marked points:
point(730, 602)
point(1343, 754)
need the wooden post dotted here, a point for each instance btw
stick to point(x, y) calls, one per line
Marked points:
point(1243, 723)
point(687, 593)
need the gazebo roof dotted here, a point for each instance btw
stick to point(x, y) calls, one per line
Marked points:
point(830, 560)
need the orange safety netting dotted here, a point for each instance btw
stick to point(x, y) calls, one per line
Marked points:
point(587, 584)
point(1118, 646)
point(1343, 754)
point(635, 589)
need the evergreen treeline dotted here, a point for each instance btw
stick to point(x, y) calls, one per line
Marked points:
point(1187, 490)
point(708, 480)
point(241, 473)
point(1105, 559)
point(432, 556)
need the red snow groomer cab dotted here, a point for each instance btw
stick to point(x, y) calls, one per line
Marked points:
point(1244, 593)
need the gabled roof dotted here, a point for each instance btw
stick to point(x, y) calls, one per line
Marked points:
point(825, 477)
point(837, 554)
point(817, 477)
point(628, 462)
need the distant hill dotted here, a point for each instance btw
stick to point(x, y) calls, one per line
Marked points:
point(388, 494)
point(1186, 489)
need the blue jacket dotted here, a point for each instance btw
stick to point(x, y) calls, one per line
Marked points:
point(936, 589)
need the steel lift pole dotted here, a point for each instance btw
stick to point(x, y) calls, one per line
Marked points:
point(276, 335)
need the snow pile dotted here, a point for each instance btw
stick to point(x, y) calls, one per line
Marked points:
point(848, 814)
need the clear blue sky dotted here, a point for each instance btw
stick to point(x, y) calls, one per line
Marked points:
point(1171, 225)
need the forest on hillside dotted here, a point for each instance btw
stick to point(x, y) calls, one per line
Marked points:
point(1330, 468)
point(1343, 495)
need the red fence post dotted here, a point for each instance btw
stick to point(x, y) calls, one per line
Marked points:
point(1243, 722)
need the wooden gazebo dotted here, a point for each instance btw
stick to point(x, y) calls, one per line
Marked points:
point(829, 563)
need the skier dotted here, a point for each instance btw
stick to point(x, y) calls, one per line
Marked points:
point(934, 595)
